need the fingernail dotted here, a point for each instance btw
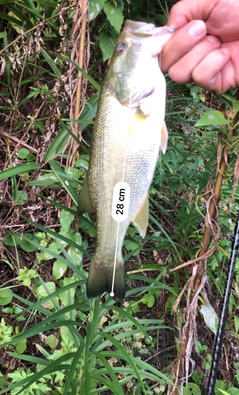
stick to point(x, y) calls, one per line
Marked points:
point(197, 28)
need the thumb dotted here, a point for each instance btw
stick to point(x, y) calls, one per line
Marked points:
point(182, 42)
point(185, 11)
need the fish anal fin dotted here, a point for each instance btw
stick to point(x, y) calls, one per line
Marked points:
point(84, 202)
point(164, 138)
point(140, 221)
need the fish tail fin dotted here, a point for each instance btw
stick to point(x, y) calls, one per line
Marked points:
point(101, 276)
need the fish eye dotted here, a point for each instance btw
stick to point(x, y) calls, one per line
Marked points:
point(121, 47)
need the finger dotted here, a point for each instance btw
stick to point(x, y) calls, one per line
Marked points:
point(215, 72)
point(182, 42)
point(185, 11)
point(182, 70)
point(219, 15)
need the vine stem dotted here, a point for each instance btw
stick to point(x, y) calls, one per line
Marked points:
point(83, 5)
point(179, 368)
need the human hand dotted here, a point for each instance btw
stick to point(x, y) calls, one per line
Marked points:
point(205, 47)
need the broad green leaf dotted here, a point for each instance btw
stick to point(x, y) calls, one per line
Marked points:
point(58, 144)
point(11, 239)
point(94, 8)
point(66, 220)
point(46, 180)
point(26, 275)
point(13, 171)
point(114, 14)
point(67, 297)
point(46, 255)
point(74, 253)
point(232, 391)
point(21, 346)
point(66, 337)
point(72, 172)
point(60, 238)
point(212, 117)
point(46, 290)
point(25, 243)
point(132, 246)
point(107, 44)
point(23, 153)
point(51, 341)
point(236, 323)
point(6, 296)
point(150, 300)
point(20, 197)
point(191, 389)
point(210, 318)
point(59, 269)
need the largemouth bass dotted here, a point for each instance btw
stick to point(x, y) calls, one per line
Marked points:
point(128, 133)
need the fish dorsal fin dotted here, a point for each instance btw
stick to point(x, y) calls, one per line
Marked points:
point(164, 138)
point(141, 219)
point(84, 203)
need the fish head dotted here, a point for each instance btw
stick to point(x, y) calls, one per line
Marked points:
point(140, 31)
point(134, 65)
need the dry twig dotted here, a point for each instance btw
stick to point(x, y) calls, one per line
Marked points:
point(81, 56)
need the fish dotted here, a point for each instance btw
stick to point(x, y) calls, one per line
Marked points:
point(128, 133)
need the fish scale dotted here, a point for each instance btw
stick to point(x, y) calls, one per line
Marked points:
point(127, 135)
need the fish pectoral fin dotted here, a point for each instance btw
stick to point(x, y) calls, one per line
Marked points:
point(84, 202)
point(164, 138)
point(142, 218)
point(146, 105)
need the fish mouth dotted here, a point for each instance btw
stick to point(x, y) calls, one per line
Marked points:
point(163, 30)
point(142, 29)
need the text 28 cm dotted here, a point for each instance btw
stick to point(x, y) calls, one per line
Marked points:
point(120, 207)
